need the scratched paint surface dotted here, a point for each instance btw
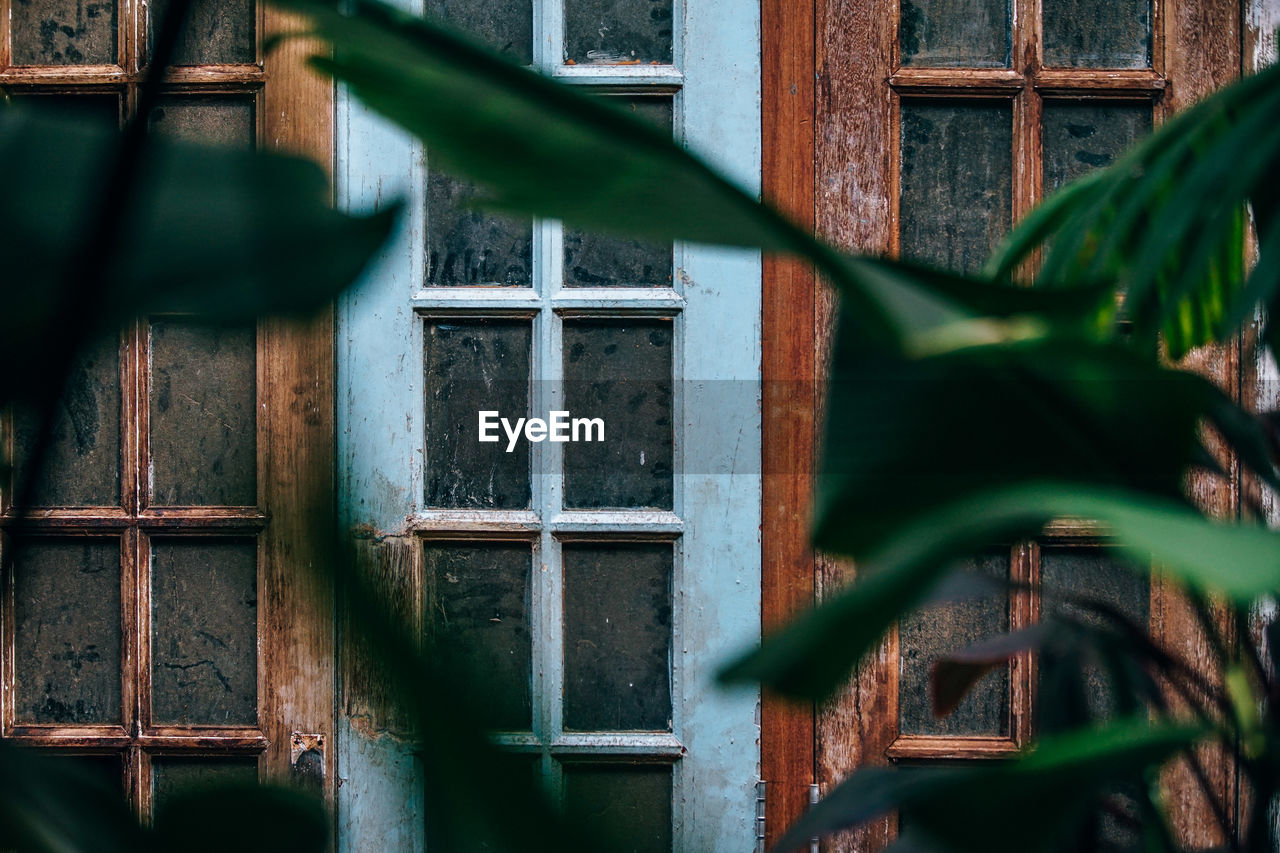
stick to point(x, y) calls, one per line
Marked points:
point(618, 31)
point(67, 631)
point(63, 32)
point(83, 466)
point(956, 33)
point(203, 414)
point(204, 631)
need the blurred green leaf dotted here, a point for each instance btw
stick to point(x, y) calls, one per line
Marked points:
point(542, 148)
point(226, 233)
point(1166, 223)
point(241, 818)
point(1029, 804)
point(51, 803)
point(812, 655)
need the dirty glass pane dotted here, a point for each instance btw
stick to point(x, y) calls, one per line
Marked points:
point(1066, 687)
point(218, 32)
point(203, 414)
point(171, 776)
point(617, 637)
point(470, 246)
point(957, 189)
point(956, 33)
point(82, 467)
point(619, 371)
point(103, 771)
point(1097, 34)
point(476, 612)
point(1081, 137)
point(204, 632)
point(211, 120)
point(66, 595)
point(103, 108)
point(63, 32)
point(627, 805)
point(472, 366)
point(609, 32)
point(504, 25)
point(929, 634)
point(603, 260)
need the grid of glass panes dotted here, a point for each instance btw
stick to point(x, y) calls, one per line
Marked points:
point(554, 566)
point(130, 612)
point(997, 103)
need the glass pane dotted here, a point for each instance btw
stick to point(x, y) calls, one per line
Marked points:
point(1080, 137)
point(82, 467)
point(105, 772)
point(204, 632)
point(934, 632)
point(504, 25)
point(617, 637)
point(103, 108)
point(171, 776)
point(203, 414)
point(63, 32)
point(619, 371)
point(218, 32)
point(209, 120)
point(1097, 34)
point(474, 366)
point(957, 189)
point(1066, 695)
point(617, 31)
point(956, 33)
point(66, 595)
point(469, 246)
point(602, 260)
point(627, 805)
point(476, 606)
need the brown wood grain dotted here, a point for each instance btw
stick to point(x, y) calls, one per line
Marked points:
point(296, 370)
point(787, 569)
point(1202, 44)
point(855, 150)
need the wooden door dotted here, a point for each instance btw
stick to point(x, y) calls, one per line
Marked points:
point(162, 621)
point(594, 585)
point(924, 129)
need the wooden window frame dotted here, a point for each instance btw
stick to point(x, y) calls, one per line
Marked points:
point(831, 83)
point(295, 441)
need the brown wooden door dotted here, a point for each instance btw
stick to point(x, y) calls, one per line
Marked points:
point(924, 129)
point(161, 619)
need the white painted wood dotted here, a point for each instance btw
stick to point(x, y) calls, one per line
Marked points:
point(715, 304)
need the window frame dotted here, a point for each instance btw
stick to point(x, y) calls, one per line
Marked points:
point(294, 452)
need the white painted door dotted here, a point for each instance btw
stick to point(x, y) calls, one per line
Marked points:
point(598, 584)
